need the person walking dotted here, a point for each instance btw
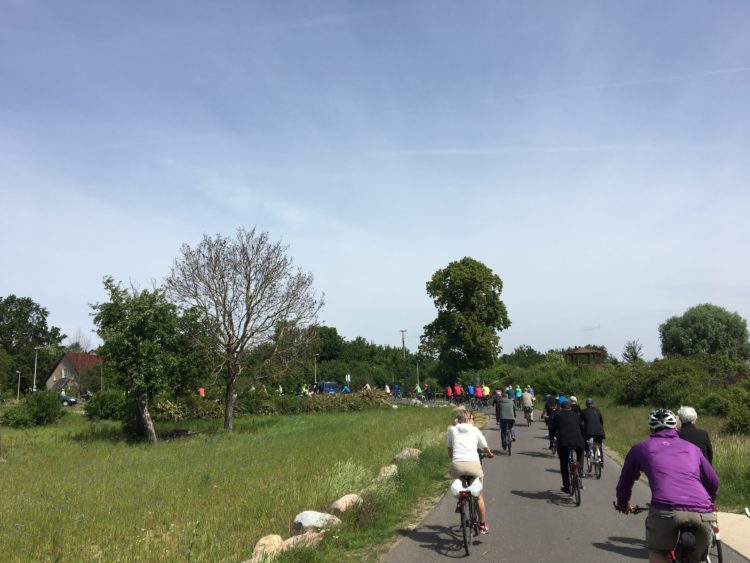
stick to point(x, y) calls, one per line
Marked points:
point(566, 429)
point(688, 431)
point(683, 487)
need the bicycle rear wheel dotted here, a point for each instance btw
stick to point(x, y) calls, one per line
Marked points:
point(598, 461)
point(466, 530)
point(575, 481)
point(590, 461)
point(509, 440)
point(714, 550)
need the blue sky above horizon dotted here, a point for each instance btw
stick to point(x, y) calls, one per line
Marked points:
point(593, 154)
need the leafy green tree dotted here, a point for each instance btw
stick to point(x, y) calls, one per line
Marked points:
point(523, 356)
point(703, 330)
point(146, 345)
point(23, 327)
point(247, 288)
point(633, 352)
point(470, 314)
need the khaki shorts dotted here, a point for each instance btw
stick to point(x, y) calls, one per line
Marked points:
point(661, 530)
point(473, 468)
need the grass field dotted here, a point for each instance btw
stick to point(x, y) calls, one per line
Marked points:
point(75, 491)
point(626, 426)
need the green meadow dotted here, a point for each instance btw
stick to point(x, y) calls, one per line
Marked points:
point(75, 491)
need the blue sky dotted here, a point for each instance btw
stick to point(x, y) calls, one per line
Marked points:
point(593, 154)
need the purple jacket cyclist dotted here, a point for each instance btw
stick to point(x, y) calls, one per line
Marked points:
point(683, 486)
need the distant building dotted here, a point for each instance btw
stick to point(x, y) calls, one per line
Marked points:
point(584, 356)
point(69, 369)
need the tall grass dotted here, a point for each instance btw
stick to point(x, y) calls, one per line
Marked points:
point(626, 426)
point(75, 491)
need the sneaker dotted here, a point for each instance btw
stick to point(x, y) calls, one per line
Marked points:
point(566, 490)
point(483, 529)
point(514, 439)
point(505, 447)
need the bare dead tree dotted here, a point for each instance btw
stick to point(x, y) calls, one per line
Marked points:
point(248, 288)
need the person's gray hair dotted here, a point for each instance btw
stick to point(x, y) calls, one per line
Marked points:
point(462, 415)
point(687, 415)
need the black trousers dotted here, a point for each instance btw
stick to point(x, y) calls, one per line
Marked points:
point(563, 452)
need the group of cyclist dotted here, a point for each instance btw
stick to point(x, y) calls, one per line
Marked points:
point(676, 458)
point(476, 394)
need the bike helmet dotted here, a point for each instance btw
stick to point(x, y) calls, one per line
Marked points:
point(661, 418)
point(589, 402)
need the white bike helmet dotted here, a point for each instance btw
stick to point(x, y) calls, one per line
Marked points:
point(661, 418)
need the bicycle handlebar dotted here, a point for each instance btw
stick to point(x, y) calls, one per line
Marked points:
point(637, 509)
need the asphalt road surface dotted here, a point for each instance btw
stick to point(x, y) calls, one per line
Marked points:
point(529, 518)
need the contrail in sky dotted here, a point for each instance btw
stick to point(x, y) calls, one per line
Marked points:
point(620, 84)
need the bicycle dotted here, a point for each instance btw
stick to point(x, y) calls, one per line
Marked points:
point(508, 435)
point(470, 488)
point(686, 541)
point(528, 413)
point(574, 470)
point(594, 458)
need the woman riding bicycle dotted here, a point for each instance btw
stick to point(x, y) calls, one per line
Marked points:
point(683, 487)
point(464, 439)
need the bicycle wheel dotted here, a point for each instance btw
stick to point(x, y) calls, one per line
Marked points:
point(474, 517)
point(528, 418)
point(589, 460)
point(575, 483)
point(714, 550)
point(598, 461)
point(466, 526)
point(509, 440)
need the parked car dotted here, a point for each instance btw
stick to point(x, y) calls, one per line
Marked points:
point(329, 387)
point(67, 400)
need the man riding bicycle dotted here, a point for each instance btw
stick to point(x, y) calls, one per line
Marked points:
point(566, 429)
point(527, 401)
point(464, 439)
point(505, 415)
point(592, 423)
point(683, 487)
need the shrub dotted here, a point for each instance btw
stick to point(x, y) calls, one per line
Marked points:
point(107, 405)
point(44, 407)
point(19, 416)
point(38, 408)
point(715, 403)
point(738, 421)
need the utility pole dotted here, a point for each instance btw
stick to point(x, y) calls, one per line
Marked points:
point(316, 369)
point(36, 353)
point(403, 351)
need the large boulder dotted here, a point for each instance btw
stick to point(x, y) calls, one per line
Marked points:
point(312, 521)
point(345, 503)
point(406, 453)
point(266, 548)
point(307, 540)
point(387, 472)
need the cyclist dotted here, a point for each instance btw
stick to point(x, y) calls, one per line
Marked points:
point(518, 393)
point(592, 423)
point(551, 408)
point(464, 439)
point(574, 406)
point(505, 414)
point(683, 487)
point(458, 392)
point(527, 400)
point(694, 435)
point(479, 394)
point(566, 429)
point(469, 392)
point(449, 393)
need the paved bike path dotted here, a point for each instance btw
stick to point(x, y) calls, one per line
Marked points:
point(530, 519)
